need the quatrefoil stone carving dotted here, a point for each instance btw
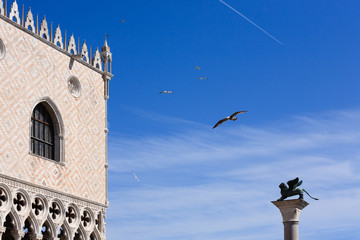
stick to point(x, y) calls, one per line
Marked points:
point(85, 218)
point(70, 215)
point(19, 202)
point(54, 211)
point(37, 206)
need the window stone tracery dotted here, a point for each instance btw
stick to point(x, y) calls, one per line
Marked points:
point(74, 86)
point(24, 205)
point(19, 202)
point(31, 215)
point(55, 146)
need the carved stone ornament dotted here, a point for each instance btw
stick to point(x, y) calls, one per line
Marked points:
point(84, 52)
point(58, 37)
point(59, 214)
point(72, 45)
point(74, 86)
point(97, 60)
point(14, 12)
point(2, 50)
point(29, 22)
point(44, 30)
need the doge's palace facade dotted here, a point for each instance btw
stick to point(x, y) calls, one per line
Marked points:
point(53, 131)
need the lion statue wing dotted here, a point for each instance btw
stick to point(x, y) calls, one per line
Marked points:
point(293, 184)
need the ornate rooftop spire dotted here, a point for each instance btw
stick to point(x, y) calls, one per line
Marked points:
point(31, 24)
point(106, 47)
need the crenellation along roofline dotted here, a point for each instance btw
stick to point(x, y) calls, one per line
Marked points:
point(69, 48)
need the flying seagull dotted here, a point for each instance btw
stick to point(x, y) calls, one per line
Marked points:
point(136, 177)
point(198, 68)
point(232, 117)
point(122, 20)
point(203, 78)
point(167, 92)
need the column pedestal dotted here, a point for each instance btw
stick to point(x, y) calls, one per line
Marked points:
point(290, 211)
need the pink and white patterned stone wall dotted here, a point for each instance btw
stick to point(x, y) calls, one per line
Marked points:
point(30, 70)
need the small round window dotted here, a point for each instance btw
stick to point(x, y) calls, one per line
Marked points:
point(74, 86)
point(2, 49)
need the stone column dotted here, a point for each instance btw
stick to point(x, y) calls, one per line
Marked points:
point(2, 230)
point(17, 234)
point(290, 211)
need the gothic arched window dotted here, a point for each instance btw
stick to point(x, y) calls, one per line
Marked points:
point(47, 131)
point(42, 133)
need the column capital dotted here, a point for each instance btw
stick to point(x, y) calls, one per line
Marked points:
point(36, 236)
point(18, 234)
point(291, 209)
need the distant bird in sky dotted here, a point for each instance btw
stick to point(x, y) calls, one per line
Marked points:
point(136, 177)
point(203, 78)
point(254, 24)
point(167, 92)
point(122, 20)
point(198, 68)
point(232, 117)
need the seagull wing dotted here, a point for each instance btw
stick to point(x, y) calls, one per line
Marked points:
point(136, 177)
point(236, 113)
point(220, 122)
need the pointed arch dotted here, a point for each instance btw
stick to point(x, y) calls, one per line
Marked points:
point(95, 235)
point(48, 230)
point(80, 233)
point(15, 219)
point(5, 200)
point(34, 222)
point(30, 228)
point(57, 125)
point(64, 232)
point(10, 226)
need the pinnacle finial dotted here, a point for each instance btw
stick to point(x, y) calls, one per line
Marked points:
point(106, 47)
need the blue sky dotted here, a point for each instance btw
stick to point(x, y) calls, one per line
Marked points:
point(200, 183)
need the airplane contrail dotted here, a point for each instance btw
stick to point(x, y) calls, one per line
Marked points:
point(251, 22)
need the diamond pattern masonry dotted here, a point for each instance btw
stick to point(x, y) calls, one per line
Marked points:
point(30, 71)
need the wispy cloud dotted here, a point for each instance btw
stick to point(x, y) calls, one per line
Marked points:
point(204, 184)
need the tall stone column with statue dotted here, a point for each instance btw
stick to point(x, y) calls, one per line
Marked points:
point(291, 209)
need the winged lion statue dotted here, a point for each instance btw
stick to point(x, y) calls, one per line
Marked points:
point(292, 190)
